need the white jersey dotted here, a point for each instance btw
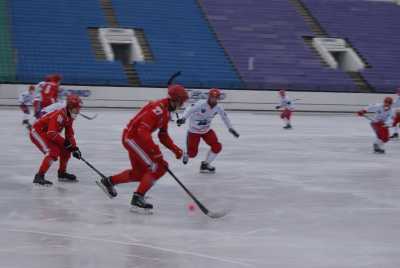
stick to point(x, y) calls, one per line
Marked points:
point(26, 98)
point(380, 114)
point(201, 115)
point(286, 103)
point(54, 106)
point(396, 103)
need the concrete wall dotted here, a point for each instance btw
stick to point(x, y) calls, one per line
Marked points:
point(126, 97)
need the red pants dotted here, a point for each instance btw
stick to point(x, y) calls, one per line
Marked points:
point(24, 108)
point(51, 150)
point(143, 169)
point(193, 140)
point(286, 114)
point(381, 131)
point(396, 119)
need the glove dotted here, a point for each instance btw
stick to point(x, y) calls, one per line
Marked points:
point(178, 152)
point(68, 145)
point(234, 133)
point(361, 112)
point(180, 121)
point(277, 107)
point(76, 153)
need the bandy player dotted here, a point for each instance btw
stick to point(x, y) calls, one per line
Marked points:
point(200, 115)
point(396, 118)
point(147, 161)
point(287, 106)
point(380, 122)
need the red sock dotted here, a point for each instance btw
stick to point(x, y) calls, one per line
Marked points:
point(146, 183)
point(123, 177)
point(46, 163)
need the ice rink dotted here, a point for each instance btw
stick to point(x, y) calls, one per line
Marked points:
point(312, 197)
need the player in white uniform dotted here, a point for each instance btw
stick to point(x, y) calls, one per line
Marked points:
point(200, 115)
point(380, 122)
point(287, 108)
point(25, 100)
point(396, 116)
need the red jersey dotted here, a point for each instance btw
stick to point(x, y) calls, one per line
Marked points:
point(155, 115)
point(52, 125)
point(48, 93)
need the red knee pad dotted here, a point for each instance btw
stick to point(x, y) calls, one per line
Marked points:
point(216, 148)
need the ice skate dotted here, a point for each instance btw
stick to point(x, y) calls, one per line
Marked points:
point(26, 123)
point(185, 159)
point(108, 188)
point(288, 126)
point(40, 180)
point(66, 177)
point(206, 168)
point(139, 205)
point(378, 150)
point(394, 136)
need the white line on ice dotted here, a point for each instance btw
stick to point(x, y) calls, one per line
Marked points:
point(130, 244)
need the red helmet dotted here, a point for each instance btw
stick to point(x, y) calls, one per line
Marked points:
point(388, 101)
point(177, 93)
point(214, 92)
point(53, 78)
point(74, 101)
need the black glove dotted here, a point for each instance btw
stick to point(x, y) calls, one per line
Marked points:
point(68, 145)
point(234, 133)
point(277, 107)
point(180, 121)
point(76, 153)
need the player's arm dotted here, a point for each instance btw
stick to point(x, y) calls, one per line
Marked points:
point(187, 113)
point(166, 140)
point(227, 122)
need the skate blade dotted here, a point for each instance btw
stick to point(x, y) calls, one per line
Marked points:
point(37, 185)
point(68, 181)
point(102, 187)
point(141, 211)
point(207, 172)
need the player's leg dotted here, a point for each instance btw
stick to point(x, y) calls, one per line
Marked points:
point(215, 147)
point(50, 155)
point(25, 116)
point(63, 175)
point(382, 136)
point(286, 115)
point(192, 146)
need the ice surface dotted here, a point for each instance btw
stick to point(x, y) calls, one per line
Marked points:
point(315, 196)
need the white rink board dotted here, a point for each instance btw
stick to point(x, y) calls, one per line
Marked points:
point(126, 97)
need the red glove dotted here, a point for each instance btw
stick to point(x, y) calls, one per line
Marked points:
point(178, 152)
point(361, 112)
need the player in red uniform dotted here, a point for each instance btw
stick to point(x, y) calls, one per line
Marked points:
point(147, 161)
point(45, 134)
point(47, 93)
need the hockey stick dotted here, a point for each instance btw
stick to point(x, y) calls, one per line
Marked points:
point(88, 117)
point(93, 168)
point(368, 117)
point(214, 215)
point(173, 77)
